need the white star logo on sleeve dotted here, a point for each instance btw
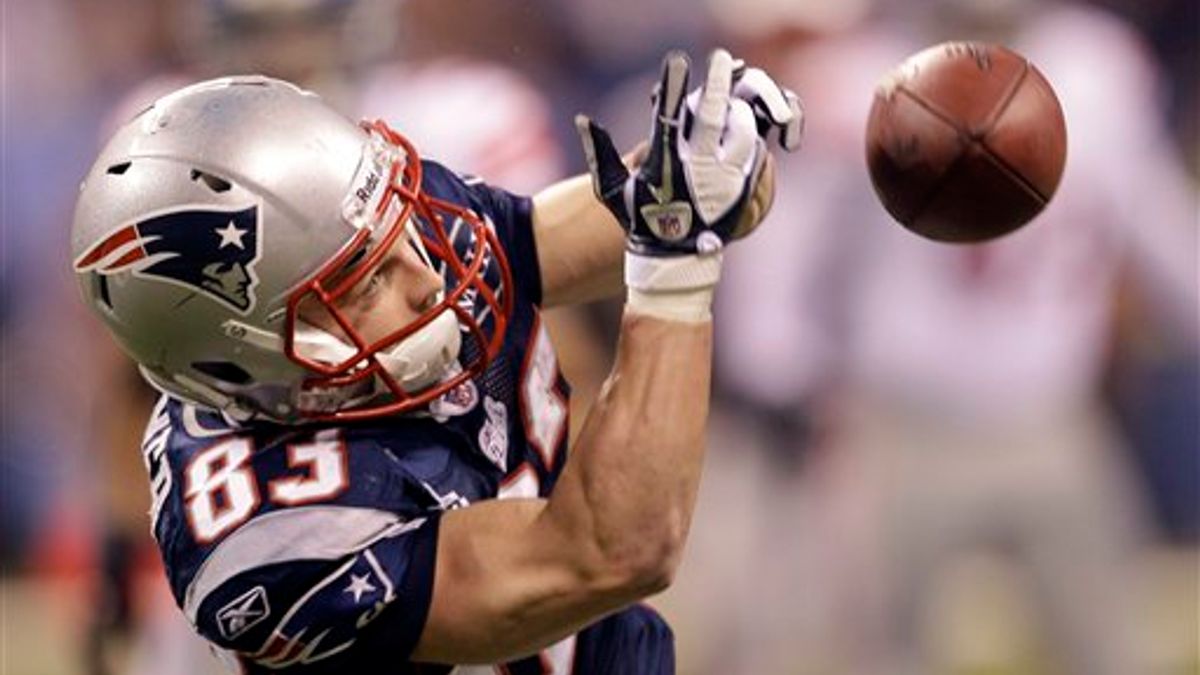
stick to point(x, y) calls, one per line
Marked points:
point(359, 585)
point(231, 235)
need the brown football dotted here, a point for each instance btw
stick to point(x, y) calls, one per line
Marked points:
point(965, 142)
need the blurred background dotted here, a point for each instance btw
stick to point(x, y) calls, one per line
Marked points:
point(923, 458)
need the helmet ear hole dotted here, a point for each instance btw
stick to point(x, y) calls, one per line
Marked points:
point(102, 291)
point(118, 169)
point(224, 371)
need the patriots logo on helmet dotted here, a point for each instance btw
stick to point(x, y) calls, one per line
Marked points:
point(208, 250)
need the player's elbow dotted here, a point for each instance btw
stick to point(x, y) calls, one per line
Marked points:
point(635, 577)
point(656, 573)
point(646, 562)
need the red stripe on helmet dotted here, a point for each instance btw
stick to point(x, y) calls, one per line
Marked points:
point(127, 259)
point(112, 243)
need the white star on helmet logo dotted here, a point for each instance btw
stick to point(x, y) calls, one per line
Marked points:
point(231, 235)
point(359, 585)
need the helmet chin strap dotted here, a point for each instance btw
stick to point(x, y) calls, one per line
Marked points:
point(198, 393)
point(418, 361)
point(421, 359)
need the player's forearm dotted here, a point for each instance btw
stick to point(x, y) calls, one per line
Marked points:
point(612, 531)
point(627, 494)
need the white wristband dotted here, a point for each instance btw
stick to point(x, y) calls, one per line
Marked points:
point(683, 306)
point(675, 273)
point(676, 288)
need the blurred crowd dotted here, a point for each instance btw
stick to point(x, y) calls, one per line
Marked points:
point(924, 458)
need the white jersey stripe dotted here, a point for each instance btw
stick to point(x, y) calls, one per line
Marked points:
point(302, 533)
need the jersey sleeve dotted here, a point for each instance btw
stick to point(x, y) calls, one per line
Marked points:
point(634, 641)
point(313, 610)
point(511, 215)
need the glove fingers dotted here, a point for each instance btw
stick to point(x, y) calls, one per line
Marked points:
point(714, 103)
point(790, 135)
point(668, 99)
point(668, 95)
point(739, 69)
point(759, 90)
point(609, 173)
point(741, 136)
point(778, 106)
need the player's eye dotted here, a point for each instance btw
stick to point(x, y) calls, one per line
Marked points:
point(376, 281)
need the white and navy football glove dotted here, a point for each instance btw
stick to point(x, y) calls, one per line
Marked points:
point(706, 154)
point(701, 183)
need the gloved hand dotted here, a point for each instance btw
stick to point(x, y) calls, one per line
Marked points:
point(701, 184)
point(705, 159)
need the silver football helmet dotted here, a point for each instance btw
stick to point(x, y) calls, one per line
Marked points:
point(213, 216)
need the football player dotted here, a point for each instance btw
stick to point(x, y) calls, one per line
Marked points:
point(358, 463)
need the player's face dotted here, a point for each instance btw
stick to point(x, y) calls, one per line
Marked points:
point(395, 293)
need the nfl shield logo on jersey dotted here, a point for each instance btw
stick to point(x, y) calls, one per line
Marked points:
point(493, 437)
point(458, 401)
point(210, 251)
point(245, 612)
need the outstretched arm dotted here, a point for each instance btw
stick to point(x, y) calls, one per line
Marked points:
point(514, 576)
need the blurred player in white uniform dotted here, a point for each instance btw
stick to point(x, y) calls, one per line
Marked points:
point(957, 389)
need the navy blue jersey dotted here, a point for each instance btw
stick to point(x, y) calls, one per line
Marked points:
point(313, 547)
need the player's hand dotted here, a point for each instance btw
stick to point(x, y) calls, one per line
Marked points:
point(701, 182)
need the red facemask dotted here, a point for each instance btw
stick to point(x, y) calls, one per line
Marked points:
point(473, 300)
